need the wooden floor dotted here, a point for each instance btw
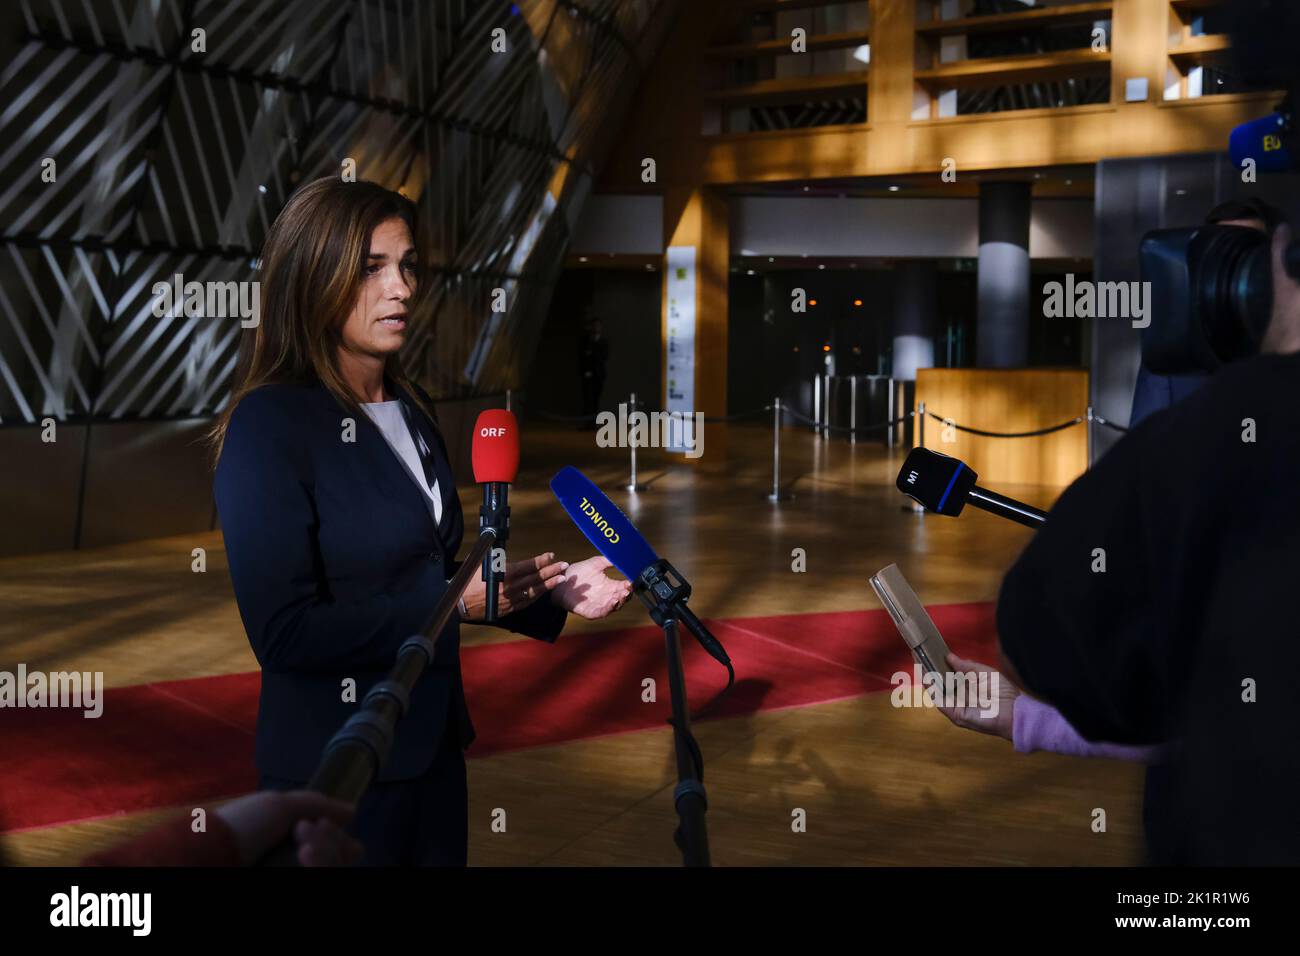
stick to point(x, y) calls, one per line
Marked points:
point(879, 785)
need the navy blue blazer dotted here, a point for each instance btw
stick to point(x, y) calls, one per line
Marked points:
point(336, 560)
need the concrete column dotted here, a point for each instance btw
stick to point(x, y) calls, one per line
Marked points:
point(1002, 329)
point(915, 308)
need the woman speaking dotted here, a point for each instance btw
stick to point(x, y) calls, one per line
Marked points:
point(341, 520)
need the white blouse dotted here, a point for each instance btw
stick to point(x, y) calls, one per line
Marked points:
point(388, 416)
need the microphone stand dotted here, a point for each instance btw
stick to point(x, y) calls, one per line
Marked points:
point(355, 755)
point(665, 598)
point(494, 514)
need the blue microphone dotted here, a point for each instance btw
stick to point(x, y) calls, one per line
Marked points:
point(657, 583)
point(1266, 141)
point(603, 523)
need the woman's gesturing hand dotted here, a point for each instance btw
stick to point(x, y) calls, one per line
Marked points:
point(525, 582)
point(587, 591)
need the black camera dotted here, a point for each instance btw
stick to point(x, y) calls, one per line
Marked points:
point(1211, 289)
point(1211, 296)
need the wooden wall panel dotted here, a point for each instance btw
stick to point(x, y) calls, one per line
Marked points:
point(1009, 400)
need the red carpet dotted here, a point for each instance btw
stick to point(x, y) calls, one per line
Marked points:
point(189, 741)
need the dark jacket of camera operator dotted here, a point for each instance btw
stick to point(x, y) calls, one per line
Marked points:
point(1189, 635)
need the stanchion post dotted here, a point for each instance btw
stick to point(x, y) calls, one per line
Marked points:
point(853, 409)
point(817, 404)
point(915, 507)
point(826, 408)
point(776, 494)
point(632, 484)
point(889, 406)
point(1090, 438)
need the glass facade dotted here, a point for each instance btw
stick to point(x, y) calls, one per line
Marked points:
point(142, 139)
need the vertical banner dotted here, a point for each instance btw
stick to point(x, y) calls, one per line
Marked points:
point(679, 344)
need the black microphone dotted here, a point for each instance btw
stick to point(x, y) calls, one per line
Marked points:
point(946, 485)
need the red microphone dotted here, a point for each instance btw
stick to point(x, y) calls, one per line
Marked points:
point(496, 446)
point(495, 454)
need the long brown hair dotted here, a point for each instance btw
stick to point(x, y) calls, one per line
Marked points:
point(310, 276)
